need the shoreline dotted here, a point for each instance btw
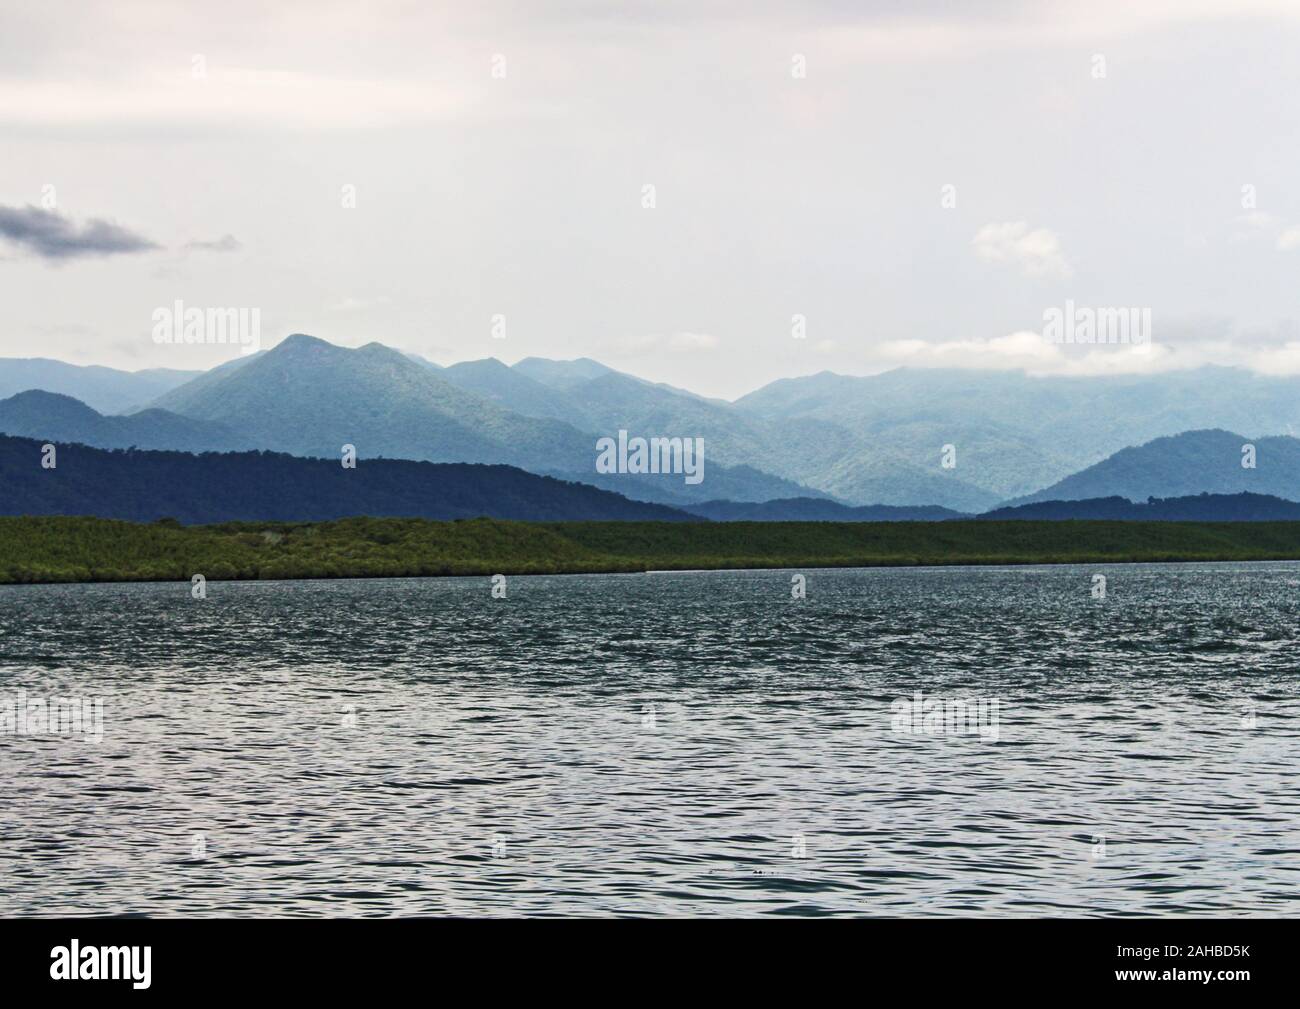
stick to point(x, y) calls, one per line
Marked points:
point(85, 550)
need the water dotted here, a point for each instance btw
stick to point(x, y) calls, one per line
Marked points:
point(663, 744)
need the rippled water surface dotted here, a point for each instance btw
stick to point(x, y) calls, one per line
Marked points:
point(662, 744)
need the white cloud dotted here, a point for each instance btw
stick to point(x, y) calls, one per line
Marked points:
point(1289, 240)
point(1037, 252)
point(1264, 352)
point(229, 97)
point(924, 31)
point(1259, 225)
point(1253, 226)
point(692, 341)
point(350, 304)
point(677, 343)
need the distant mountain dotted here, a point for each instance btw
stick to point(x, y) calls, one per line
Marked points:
point(598, 400)
point(615, 402)
point(424, 361)
point(309, 398)
point(816, 510)
point(146, 486)
point(1193, 462)
point(879, 440)
point(206, 379)
point(561, 374)
point(863, 441)
point(513, 390)
point(54, 418)
point(605, 401)
point(737, 483)
point(107, 390)
point(601, 401)
point(1013, 433)
point(1199, 508)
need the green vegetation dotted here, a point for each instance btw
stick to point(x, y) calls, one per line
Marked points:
point(68, 549)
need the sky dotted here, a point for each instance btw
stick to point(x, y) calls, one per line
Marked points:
point(844, 186)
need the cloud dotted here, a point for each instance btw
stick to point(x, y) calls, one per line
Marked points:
point(692, 341)
point(226, 243)
point(1037, 252)
point(679, 343)
point(1182, 345)
point(52, 236)
point(351, 304)
point(1289, 240)
point(1253, 226)
point(1258, 225)
point(231, 97)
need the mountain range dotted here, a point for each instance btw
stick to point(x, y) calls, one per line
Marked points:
point(148, 486)
point(1194, 462)
point(144, 486)
point(107, 390)
point(852, 441)
point(816, 510)
point(1013, 434)
point(1244, 507)
point(58, 418)
point(308, 397)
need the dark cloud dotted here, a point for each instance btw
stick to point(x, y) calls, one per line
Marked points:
point(226, 243)
point(52, 236)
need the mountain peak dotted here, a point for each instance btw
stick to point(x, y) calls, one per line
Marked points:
point(301, 341)
point(49, 404)
point(482, 364)
point(1212, 460)
point(561, 374)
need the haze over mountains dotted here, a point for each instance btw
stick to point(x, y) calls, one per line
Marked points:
point(1014, 434)
point(878, 440)
point(1194, 462)
point(107, 390)
point(859, 441)
point(62, 419)
point(308, 397)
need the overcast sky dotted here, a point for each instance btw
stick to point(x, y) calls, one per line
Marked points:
point(1098, 151)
